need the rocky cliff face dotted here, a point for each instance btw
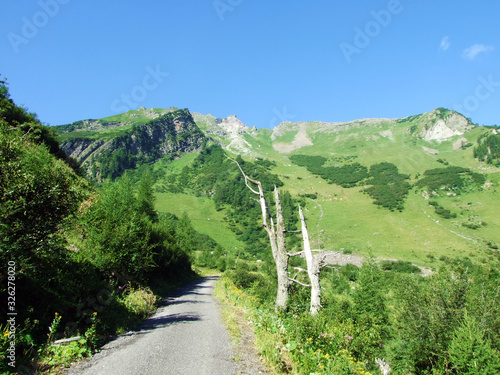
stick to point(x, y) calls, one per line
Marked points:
point(229, 132)
point(441, 124)
point(170, 134)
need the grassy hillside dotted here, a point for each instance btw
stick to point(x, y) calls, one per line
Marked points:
point(201, 210)
point(346, 219)
point(109, 127)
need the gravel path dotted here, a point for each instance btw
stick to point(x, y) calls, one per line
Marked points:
point(185, 336)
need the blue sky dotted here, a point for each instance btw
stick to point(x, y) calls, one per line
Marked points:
point(264, 61)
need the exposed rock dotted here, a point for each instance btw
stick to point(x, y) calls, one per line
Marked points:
point(388, 134)
point(439, 126)
point(229, 131)
point(458, 144)
point(431, 150)
point(171, 133)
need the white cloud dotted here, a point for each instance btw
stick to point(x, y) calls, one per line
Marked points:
point(473, 51)
point(445, 43)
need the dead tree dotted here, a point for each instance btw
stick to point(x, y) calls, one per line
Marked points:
point(314, 264)
point(278, 247)
point(385, 368)
point(276, 238)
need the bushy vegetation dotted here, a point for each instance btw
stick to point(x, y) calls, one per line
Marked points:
point(441, 211)
point(445, 323)
point(213, 174)
point(308, 161)
point(348, 175)
point(399, 266)
point(488, 149)
point(82, 255)
point(388, 189)
point(451, 179)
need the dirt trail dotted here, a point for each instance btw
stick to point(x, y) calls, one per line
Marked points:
point(185, 336)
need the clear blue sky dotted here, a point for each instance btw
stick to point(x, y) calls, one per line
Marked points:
point(264, 61)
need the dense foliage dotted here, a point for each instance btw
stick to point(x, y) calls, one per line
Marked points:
point(488, 149)
point(451, 179)
point(213, 174)
point(388, 189)
point(445, 323)
point(308, 161)
point(80, 257)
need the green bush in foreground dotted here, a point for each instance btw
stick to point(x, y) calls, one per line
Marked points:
point(445, 323)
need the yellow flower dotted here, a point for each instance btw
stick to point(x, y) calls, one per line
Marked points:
point(6, 333)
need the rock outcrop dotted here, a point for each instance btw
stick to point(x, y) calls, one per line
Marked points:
point(229, 132)
point(172, 133)
point(440, 125)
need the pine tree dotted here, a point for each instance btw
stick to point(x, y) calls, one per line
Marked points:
point(470, 352)
point(370, 313)
point(146, 197)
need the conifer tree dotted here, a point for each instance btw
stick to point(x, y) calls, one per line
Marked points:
point(146, 197)
point(470, 352)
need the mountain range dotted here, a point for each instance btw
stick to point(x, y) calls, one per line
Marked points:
point(440, 171)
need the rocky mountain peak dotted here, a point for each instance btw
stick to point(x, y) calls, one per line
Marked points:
point(232, 124)
point(442, 124)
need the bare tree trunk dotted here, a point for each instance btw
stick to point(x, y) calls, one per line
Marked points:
point(276, 239)
point(282, 257)
point(313, 267)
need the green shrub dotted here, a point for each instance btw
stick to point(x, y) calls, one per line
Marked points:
point(470, 352)
point(389, 187)
point(444, 213)
point(399, 266)
point(455, 179)
point(242, 278)
point(140, 302)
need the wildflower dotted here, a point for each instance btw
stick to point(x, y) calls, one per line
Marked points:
point(6, 333)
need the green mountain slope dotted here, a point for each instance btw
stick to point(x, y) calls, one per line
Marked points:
point(430, 223)
point(108, 147)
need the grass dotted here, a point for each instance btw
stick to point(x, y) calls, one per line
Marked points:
point(201, 210)
point(203, 215)
point(346, 218)
point(130, 116)
point(343, 218)
point(104, 134)
point(240, 308)
point(126, 121)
